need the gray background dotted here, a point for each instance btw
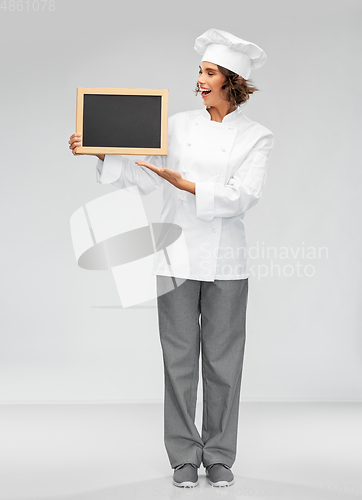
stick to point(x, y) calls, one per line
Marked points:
point(60, 339)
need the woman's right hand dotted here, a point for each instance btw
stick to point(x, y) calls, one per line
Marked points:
point(75, 141)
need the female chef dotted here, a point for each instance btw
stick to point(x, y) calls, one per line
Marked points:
point(214, 172)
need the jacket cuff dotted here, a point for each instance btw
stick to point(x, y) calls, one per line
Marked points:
point(109, 170)
point(205, 197)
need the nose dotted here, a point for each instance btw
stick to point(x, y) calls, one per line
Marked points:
point(200, 80)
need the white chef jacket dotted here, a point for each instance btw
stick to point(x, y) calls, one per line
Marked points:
point(228, 163)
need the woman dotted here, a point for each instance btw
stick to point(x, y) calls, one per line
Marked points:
point(214, 172)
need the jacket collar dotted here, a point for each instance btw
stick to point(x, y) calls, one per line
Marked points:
point(228, 118)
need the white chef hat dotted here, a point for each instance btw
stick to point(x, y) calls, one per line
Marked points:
point(229, 51)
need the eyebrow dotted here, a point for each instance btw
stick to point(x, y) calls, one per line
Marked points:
point(208, 69)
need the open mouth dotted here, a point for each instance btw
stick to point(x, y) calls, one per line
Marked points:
point(205, 93)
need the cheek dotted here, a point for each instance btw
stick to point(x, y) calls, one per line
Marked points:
point(220, 86)
point(221, 90)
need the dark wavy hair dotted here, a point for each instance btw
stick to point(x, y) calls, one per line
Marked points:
point(237, 89)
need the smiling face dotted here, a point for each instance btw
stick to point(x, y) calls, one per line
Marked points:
point(210, 82)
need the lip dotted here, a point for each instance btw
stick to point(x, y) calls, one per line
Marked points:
point(205, 96)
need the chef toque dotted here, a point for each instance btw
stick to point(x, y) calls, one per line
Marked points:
point(229, 51)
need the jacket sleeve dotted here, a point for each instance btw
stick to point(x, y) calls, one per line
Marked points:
point(243, 190)
point(123, 172)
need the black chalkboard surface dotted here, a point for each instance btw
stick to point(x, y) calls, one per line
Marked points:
point(122, 121)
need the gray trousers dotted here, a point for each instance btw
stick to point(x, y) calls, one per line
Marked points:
point(210, 315)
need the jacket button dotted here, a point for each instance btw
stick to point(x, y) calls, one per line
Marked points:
point(223, 150)
point(196, 123)
point(231, 128)
point(214, 230)
point(189, 143)
point(217, 175)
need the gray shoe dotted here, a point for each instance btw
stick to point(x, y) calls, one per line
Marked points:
point(219, 475)
point(185, 476)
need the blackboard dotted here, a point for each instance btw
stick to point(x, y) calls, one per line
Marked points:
point(122, 121)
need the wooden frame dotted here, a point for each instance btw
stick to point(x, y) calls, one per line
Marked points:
point(161, 120)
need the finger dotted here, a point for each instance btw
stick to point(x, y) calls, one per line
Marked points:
point(75, 145)
point(75, 137)
point(145, 164)
point(149, 165)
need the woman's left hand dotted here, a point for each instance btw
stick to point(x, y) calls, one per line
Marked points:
point(166, 173)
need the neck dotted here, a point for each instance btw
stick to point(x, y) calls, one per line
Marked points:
point(218, 113)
